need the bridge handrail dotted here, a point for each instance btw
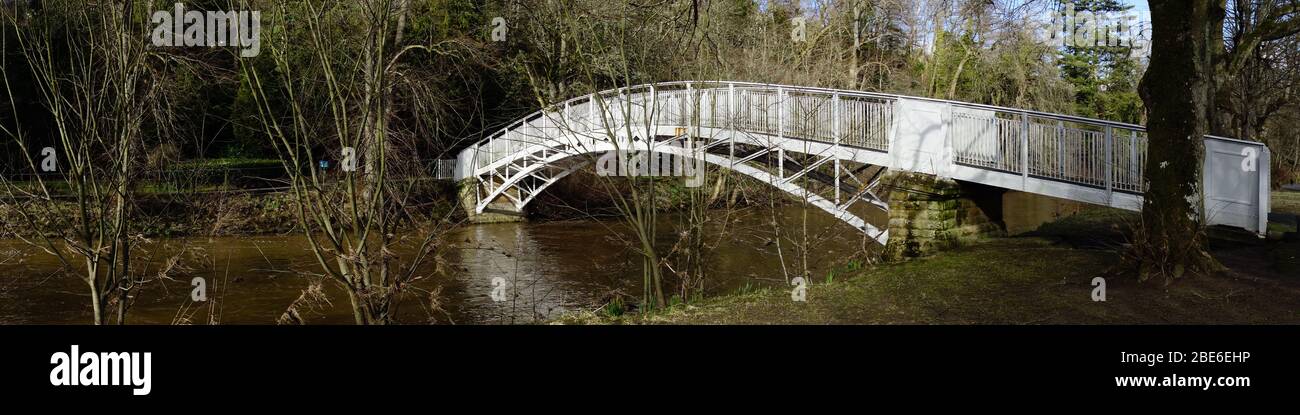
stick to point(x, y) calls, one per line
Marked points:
point(881, 95)
point(842, 92)
point(722, 84)
point(1100, 154)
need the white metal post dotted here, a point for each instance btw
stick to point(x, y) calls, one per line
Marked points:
point(835, 150)
point(689, 140)
point(1060, 148)
point(835, 122)
point(624, 113)
point(731, 120)
point(1133, 166)
point(780, 161)
point(651, 119)
point(780, 131)
point(1265, 199)
point(780, 114)
point(690, 99)
point(1109, 164)
point(946, 168)
point(1024, 147)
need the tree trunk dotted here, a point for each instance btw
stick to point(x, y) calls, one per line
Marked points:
point(1177, 92)
point(96, 303)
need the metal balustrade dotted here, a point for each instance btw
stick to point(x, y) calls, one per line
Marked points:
point(1007, 147)
point(1061, 148)
point(1057, 149)
point(444, 169)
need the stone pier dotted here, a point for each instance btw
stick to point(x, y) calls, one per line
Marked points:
point(928, 214)
point(499, 211)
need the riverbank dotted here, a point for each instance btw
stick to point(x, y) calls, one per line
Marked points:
point(218, 213)
point(1013, 281)
point(1045, 278)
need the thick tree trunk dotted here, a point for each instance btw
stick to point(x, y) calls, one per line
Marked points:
point(1177, 92)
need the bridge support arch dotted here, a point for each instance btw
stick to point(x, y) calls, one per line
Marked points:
point(502, 193)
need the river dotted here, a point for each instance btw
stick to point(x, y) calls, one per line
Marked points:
point(550, 268)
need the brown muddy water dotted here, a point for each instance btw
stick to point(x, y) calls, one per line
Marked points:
point(550, 268)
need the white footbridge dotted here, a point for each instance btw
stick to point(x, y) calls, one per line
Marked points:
point(831, 147)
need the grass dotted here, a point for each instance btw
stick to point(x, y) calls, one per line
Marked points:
point(184, 177)
point(1286, 202)
point(1041, 279)
point(1012, 281)
point(226, 163)
point(58, 187)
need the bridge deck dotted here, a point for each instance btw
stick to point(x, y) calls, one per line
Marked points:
point(1080, 159)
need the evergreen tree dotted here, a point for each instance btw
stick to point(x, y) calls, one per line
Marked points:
point(1104, 74)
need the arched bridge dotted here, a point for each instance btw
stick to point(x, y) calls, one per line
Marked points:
point(832, 146)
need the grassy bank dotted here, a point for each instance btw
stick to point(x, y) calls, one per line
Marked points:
point(1013, 281)
point(1286, 202)
point(1040, 279)
point(215, 213)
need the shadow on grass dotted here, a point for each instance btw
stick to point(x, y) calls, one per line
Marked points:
point(1045, 278)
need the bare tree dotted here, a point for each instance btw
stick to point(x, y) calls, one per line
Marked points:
point(91, 66)
point(1259, 66)
point(355, 221)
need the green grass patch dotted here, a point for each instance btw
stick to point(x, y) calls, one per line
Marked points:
point(1011, 281)
point(1286, 202)
point(226, 163)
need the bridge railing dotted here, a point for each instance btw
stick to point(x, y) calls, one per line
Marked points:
point(1038, 146)
point(848, 118)
point(1086, 152)
point(1070, 149)
point(1057, 147)
point(444, 169)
